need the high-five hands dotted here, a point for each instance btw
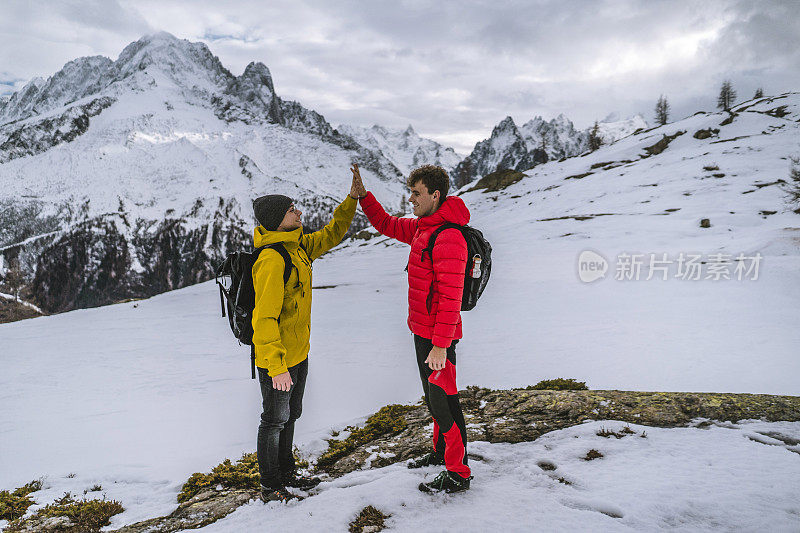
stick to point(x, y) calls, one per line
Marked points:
point(357, 189)
point(437, 358)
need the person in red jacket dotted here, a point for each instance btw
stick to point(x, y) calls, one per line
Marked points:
point(435, 285)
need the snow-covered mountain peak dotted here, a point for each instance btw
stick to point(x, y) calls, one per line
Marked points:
point(507, 124)
point(505, 134)
point(377, 128)
point(158, 37)
point(255, 90)
point(184, 63)
point(22, 101)
point(611, 128)
point(258, 71)
point(155, 60)
point(73, 80)
point(405, 148)
point(612, 117)
point(153, 45)
point(534, 123)
point(562, 119)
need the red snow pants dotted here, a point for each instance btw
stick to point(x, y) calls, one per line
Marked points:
point(441, 396)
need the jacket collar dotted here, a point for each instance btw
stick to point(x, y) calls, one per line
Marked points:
point(452, 209)
point(265, 237)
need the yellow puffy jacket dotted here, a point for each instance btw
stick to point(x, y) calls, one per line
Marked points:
point(282, 313)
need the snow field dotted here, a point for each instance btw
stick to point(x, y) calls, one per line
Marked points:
point(681, 479)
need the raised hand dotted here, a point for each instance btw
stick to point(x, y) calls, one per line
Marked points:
point(357, 189)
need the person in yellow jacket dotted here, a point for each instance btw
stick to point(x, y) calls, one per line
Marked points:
point(282, 329)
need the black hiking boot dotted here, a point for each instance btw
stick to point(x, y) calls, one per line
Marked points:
point(446, 482)
point(300, 482)
point(279, 494)
point(432, 458)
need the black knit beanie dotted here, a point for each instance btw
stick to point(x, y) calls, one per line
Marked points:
point(271, 209)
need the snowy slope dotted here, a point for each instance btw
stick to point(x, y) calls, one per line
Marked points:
point(731, 177)
point(405, 148)
point(139, 395)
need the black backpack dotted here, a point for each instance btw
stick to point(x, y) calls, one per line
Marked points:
point(239, 296)
point(478, 250)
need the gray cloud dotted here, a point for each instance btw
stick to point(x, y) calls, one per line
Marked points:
point(453, 69)
point(38, 38)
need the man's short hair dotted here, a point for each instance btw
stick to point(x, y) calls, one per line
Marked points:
point(435, 179)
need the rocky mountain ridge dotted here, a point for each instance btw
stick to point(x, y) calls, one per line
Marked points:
point(537, 141)
point(405, 148)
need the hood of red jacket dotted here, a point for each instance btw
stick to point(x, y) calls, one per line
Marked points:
point(453, 209)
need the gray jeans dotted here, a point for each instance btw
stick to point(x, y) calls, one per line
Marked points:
point(276, 431)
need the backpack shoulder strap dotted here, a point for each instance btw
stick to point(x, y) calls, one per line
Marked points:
point(287, 260)
point(432, 240)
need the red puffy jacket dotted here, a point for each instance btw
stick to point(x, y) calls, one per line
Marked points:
point(435, 284)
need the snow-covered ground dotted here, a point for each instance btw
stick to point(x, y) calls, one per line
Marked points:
point(683, 479)
point(139, 395)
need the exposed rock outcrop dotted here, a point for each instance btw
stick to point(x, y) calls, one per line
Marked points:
point(523, 415)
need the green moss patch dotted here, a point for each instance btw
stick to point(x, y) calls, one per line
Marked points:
point(14, 504)
point(558, 384)
point(390, 420)
point(243, 474)
point(240, 475)
point(86, 516)
point(370, 518)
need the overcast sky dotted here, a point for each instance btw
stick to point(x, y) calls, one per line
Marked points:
point(452, 69)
